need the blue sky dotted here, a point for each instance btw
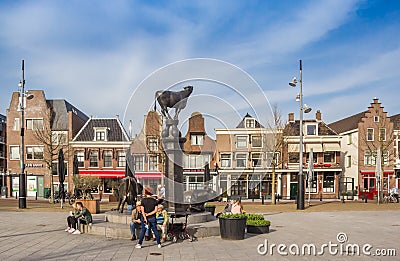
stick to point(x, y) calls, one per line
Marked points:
point(96, 53)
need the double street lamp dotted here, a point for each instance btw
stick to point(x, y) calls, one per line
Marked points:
point(22, 181)
point(306, 109)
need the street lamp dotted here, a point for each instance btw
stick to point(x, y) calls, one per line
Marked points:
point(306, 109)
point(22, 181)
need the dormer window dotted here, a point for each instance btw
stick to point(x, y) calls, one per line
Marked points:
point(311, 129)
point(376, 118)
point(100, 134)
point(250, 123)
point(196, 139)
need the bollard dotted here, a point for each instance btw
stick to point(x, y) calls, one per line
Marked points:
point(262, 199)
point(16, 195)
point(320, 197)
point(275, 199)
point(36, 196)
point(365, 198)
point(278, 197)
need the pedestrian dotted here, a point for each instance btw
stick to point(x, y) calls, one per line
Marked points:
point(136, 222)
point(149, 208)
point(72, 220)
point(83, 216)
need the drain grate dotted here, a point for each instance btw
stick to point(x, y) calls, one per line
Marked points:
point(155, 254)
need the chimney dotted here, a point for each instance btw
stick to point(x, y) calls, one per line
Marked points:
point(291, 117)
point(318, 116)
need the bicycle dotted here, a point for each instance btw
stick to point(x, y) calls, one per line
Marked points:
point(389, 198)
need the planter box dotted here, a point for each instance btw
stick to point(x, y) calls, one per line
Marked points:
point(93, 205)
point(232, 228)
point(210, 209)
point(257, 229)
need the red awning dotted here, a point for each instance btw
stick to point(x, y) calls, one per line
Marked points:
point(148, 175)
point(366, 172)
point(105, 174)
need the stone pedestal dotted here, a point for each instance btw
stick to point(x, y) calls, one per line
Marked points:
point(173, 144)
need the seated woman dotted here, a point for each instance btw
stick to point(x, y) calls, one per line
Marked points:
point(237, 207)
point(71, 219)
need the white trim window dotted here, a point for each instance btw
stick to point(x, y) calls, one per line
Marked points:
point(34, 152)
point(34, 124)
point(241, 160)
point(107, 158)
point(270, 158)
point(328, 184)
point(226, 160)
point(80, 155)
point(312, 129)
point(376, 118)
point(121, 158)
point(14, 152)
point(59, 137)
point(16, 124)
point(153, 163)
point(382, 134)
point(196, 139)
point(256, 141)
point(241, 141)
point(94, 159)
point(349, 139)
point(370, 134)
point(138, 162)
point(256, 160)
point(100, 135)
point(329, 157)
point(348, 161)
point(250, 123)
point(369, 158)
point(153, 144)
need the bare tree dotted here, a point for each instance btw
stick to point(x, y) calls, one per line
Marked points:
point(53, 141)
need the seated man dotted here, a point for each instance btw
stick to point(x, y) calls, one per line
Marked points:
point(83, 215)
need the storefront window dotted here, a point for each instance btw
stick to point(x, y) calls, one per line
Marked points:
point(329, 183)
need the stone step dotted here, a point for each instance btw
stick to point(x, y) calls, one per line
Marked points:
point(100, 227)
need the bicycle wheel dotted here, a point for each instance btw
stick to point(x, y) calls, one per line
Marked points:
point(71, 201)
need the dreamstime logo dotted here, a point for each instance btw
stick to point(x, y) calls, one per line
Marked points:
point(222, 92)
point(341, 248)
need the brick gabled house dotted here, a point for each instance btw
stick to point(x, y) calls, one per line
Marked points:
point(325, 144)
point(100, 147)
point(199, 151)
point(362, 135)
point(49, 126)
point(3, 149)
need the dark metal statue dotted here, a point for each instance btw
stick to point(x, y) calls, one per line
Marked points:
point(127, 192)
point(170, 99)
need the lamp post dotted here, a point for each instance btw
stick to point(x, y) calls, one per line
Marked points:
point(22, 177)
point(306, 109)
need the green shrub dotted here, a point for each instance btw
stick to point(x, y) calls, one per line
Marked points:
point(255, 217)
point(258, 222)
point(233, 216)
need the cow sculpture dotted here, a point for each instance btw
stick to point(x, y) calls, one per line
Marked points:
point(170, 99)
point(127, 192)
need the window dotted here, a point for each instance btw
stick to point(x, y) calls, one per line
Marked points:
point(153, 163)
point(385, 158)
point(34, 124)
point(382, 134)
point(225, 160)
point(121, 155)
point(34, 152)
point(376, 118)
point(80, 154)
point(312, 185)
point(54, 169)
point(349, 139)
point(256, 160)
point(328, 185)
point(311, 129)
point(196, 139)
point(369, 158)
point(100, 135)
point(348, 161)
point(256, 141)
point(153, 144)
point(107, 158)
point(241, 141)
point(16, 124)
point(329, 157)
point(59, 137)
point(14, 152)
point(250, 123)
point(241, 160)
point(94, 159)
point(195, 161)
point(370, 134)
point(294, 157)
point(270, 158)
point(315, 157)
point(138, 162)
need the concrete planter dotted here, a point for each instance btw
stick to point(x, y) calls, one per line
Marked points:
point(257, 229)
point(232, 228)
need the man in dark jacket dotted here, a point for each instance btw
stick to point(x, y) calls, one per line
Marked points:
point(83, 215)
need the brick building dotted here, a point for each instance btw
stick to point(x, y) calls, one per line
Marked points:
point(199, 151)
point(100, 147)
point(49, 125)
point(3, 149)
point(325, 144)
